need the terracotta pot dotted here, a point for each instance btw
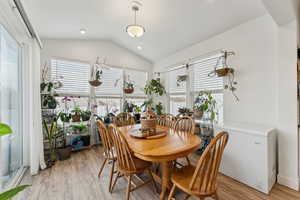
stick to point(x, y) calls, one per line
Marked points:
point(128, 90)
point(76, 118)
point(95, 83)
point(198, 114)
point(224, 71)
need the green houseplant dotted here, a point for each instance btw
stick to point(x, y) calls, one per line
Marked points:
point(5, 130)
point(154, 87)
point(159, 108)
point(86, 115)
point(205, 103)
point(65, 117)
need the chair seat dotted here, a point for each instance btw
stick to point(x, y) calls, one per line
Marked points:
point(182, 178)
point(140, 166)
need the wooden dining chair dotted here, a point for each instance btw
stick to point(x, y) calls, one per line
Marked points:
point(109, 154)
point(128, 165)
point(124, 119)
point(201, 181)
point(184, 125)
point(167, 120)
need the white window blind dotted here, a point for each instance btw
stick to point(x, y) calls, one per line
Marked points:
point(200, 79)
point(139, 78)
point(112, 83)
point(74, 76)
point(173, 86)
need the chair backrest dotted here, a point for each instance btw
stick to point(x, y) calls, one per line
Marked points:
point(124, 119)
point(106, 139)
point(167, 120)
point(185, 124)
point(204, 180)
point(124, 155)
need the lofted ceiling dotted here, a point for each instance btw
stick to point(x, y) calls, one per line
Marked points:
point(170, 24)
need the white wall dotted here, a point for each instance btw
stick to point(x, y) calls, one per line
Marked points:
point(266, 95)
point(88, 50)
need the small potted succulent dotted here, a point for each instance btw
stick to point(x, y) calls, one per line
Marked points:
point(86, 115)
point(76, 114)
point(205, 103)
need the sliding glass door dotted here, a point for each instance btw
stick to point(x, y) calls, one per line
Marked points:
point(11, 146)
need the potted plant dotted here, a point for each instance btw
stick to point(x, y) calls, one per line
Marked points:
point(148, 104)
point(159, 108)
point(154, 87)
point(63, 151)
point(184, 111)
point(65, 117)
point(180, 79)
point(76, 114)
point(79, 128)
point(128, 106)
point(137, 113)
point(96, 74)
point(128, 86)
point(205, 103)
point(108, 118)
point(86, 115)
point(49, 102)
point(6, 130)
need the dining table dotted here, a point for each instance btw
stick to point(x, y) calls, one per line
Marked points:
point(163, 150)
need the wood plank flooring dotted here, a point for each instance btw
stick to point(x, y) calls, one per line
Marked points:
point(76, 179)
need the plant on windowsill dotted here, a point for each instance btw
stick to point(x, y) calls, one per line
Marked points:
point(49, 102)
point(65, 117)
point(76, 114)
point(86, 115)
point(137, 113)
point(184, 111)
point(205, 103)
point(154, 87)
point(6, 130)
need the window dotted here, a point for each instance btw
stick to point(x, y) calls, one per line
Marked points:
point(74, 76)
point(11, 150)
point(108, 105)
point(177, 101)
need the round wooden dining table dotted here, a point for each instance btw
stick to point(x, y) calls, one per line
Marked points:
point(163, 150)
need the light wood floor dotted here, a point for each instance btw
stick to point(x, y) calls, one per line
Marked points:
point(76, 179)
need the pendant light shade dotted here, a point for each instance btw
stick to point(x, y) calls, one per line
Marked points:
point(135, 30)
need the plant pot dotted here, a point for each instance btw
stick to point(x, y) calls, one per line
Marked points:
point(64, 153)
point(85, 118)
point(224, 71)
point(76, 118)
point(128, 90)
point(106, 120)
point(137, 116)
point(95, 83)
point(198, 114)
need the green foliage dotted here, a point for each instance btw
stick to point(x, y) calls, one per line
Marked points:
point(76, 111)
point(4, 129)
point(137, 109)
point(49, 86)
point(205, 102)
point(154, 87)
point(12, 192)
point(80, 127)
point(185, 111)
point(99, 75)
point(65, 117)
point(159, 108)
point(148, 104)
point(86, 115)
point(128, 107)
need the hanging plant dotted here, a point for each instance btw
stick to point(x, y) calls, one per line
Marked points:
point(227, 73)
point(96, 74)
point(180, 79)
point(128, 86)
point(154, 87)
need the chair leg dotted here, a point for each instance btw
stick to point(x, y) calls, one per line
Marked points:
point(111, 174)
point(128, 188)
point(115, 181)
point(102, 167)
point(152, 180)
point(188, 161)
point(172, 192)
point(215, 196)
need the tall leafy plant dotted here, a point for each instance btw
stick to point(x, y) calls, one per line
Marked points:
point(5, 130)
point(154, 87)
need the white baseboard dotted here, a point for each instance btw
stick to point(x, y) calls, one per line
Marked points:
point(292, 183)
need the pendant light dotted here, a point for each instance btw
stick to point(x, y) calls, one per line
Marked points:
point(135, 30)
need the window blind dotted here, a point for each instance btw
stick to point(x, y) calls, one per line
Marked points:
point(112, 83)
point(139, 78)
point(200, 79)
point(173, 86)
point(74, 76)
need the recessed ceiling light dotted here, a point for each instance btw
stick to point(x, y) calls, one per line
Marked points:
point(83, 31)
point(139, 47)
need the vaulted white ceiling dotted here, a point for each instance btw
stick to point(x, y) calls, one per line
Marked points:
point(170, 24)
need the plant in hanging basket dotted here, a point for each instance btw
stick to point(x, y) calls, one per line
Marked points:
point(128, 86)
point(154, 87)
point(224, 71)
point(97, 82)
